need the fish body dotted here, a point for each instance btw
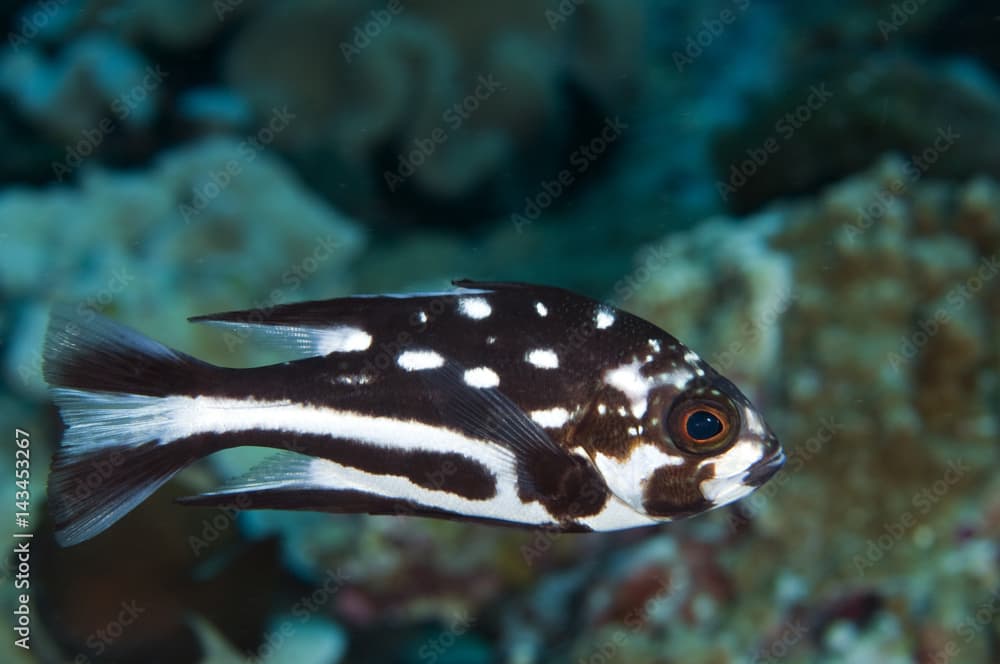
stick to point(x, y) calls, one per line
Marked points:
point(502, 403)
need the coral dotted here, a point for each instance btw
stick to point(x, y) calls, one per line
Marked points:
point(883, 524)
point(434, 97)
point(726, 286)
point(91, 87)
point(797, 140)
point(177, 24)
point(217, 225)
point(862, 318)
point(881, 377)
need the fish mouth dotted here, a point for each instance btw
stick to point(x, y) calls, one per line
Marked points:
point(765, 469)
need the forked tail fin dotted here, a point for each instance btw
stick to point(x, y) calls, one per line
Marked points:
point(109, 383)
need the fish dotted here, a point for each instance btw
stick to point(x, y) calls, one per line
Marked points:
point(498, 403)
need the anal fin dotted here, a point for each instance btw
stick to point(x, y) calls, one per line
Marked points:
point(292, 481)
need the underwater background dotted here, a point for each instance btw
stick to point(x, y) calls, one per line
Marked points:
point(805, 193)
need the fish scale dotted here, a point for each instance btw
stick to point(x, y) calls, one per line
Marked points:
point(495, 403)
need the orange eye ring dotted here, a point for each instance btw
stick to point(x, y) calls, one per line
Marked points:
point(702, 426)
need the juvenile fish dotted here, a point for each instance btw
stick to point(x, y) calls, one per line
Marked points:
point(501, 403)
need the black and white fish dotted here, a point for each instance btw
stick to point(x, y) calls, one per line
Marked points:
point(496, 402)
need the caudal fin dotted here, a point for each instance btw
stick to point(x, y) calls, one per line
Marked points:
point(109, 382)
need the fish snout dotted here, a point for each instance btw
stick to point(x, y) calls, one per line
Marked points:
point(770, 464)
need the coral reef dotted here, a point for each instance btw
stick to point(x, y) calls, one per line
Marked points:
point(173, 25)
point(208, 223)
point(851, 112)
point(860, 320)
point(433, 98)
point(177, 158)
point(95, 85)
point(882, 372)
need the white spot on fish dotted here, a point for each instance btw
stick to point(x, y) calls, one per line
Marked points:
point(694, 360)
point(476, 308)
point(754, 424)
point(360, 379)
point(422, 316)
point(679, 378)
point(737, 460)
point(543, 358)
point(342, 339)
point(601, 409)
point(541, 309)
point(552, 418)
point(482, 377)
point(418, 360)
point(491, 340)
point(655, 345)
point(724, 490)
point(627, 477)
point(617, 515)
point(603, 318)
point(629, 381)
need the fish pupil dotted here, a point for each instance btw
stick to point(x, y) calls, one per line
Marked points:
point(703, 425)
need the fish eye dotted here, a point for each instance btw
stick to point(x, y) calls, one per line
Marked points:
point(701, 425)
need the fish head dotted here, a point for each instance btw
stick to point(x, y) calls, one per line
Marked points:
point(673, 438)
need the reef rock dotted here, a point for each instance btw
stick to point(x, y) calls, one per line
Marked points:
point(436, 99)
point(219, 225)
point(864, 322)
